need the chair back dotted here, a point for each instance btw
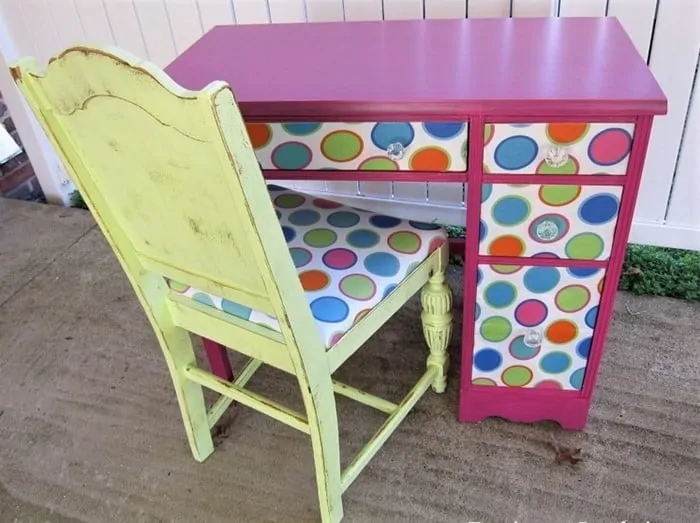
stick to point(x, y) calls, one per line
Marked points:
point(171, 178)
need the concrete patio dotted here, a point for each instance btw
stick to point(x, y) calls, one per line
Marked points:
point(90, 430)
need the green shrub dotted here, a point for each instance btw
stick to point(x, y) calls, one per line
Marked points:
point(76, 200)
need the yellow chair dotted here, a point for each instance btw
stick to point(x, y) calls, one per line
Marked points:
point(172, 180)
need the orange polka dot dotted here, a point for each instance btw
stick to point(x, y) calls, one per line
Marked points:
point(314, 280)
point(566, 133)
point(600, 286)
point(507, 246)
point(562, 331)
point(259, 133)
point(430, 159)
point(359, 316)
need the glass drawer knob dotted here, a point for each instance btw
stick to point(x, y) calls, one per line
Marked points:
point(556, 157)
point(396, 151)
point(547, 230)
point(533, 338)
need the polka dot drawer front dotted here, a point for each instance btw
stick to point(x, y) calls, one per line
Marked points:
point(557, 148)
point(555, 221)
point(534, 325)
point(383, 146)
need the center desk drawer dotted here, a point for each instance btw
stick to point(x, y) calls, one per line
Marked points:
point(363, 146)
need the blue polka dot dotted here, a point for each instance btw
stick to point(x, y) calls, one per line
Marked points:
point(203, 299)
point(591, 317)
point(477, 311)
point(541, 279)
point(545, 254)
point(300, 256)
point(500, 294)
point(382, 264)
point(582, 272)
point(279, 214)
point(384, 222)
point(520, 124)
point(343, 219)
point(388, 290)
point(362, 238)
point(520, 351)
point(486, 190)
point(443, 130)
point(424, 226)
point(599, 209)
point(386, 133)
point(576, 378)
point(289, 233)
point(329, 309)
point(583, 348)
point(291, 156)
point(516, 152)
point(301, 128)
point(511, 210)
point(555, 362)
point(236, 309)
point(273, 187)
point(479, 276)
point(487, 360)
point(483, 230)
point(304, 217)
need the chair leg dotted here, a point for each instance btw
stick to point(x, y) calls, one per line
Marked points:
point(178, 351)
point(436, 298)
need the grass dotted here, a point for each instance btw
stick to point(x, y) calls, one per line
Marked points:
point(653, 271)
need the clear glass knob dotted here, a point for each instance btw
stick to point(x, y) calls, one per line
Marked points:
point(556, 157)
point(396, 151)
point(533, 338)
point(547, 230)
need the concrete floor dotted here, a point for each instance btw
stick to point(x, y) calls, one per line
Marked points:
point(90, 431)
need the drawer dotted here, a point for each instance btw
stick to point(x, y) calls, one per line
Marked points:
point(534, 325)
point(363, 146)
point(562, 221)
point(557, 148)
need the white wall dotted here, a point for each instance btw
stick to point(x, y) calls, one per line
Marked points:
point(667, 32)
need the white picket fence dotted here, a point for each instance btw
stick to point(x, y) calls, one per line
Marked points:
point(666, 32)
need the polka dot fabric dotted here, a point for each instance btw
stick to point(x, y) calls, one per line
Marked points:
point(595, 148)
point(555, 221)
point(560, 305)
point(347, 259)
point(429, 146)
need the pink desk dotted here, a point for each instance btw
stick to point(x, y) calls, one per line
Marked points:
point(547, 121)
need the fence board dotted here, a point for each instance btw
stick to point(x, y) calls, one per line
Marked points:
point(156, 34)
point(185, 22)
point(286, 11)
point(637, 17)
point(125, 26)
point(357, 10)
point(251, 11)
point(531, 8)
point(69, 27)
point(673, 61)
point(582, 7)
point(488, 8)
point(216, 12)
point(445, 8)
point(324, 10)
point(95, 23)
point(37, 13)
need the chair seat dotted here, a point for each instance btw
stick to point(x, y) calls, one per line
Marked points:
point(348, 259)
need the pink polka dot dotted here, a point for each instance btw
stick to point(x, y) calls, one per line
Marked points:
point(339, 259)
point(435, 244)
point(610, 146)
point(548, 384)
point(335, 338)
point(325, 204)
point(530, 313)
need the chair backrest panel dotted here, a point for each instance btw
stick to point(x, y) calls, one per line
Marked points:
point(159, 161)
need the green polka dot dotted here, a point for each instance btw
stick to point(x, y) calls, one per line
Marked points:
point(570, 167)
point(203, 298)
point(585, 246)
point(506, 269)
point(289, 201)
point(488, 132)
point(572, 298)
point(558, 195)
point(378, 164)
point(358, 287)
point(517, 376)
point(405, 242)
point(341, 146)
point(464, 151)
point(484, 382)
point(320, 237)
point(495, 328)
point(177, 286)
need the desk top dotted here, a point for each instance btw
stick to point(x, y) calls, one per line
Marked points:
point(419, 68)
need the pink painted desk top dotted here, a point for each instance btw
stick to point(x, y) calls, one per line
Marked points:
point(450, 67)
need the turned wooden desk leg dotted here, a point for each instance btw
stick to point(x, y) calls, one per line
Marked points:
point(217, 355)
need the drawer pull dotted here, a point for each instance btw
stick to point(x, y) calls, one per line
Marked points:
point(556, 157)
point(547, 230)
point(396, 151)
point(533, 338)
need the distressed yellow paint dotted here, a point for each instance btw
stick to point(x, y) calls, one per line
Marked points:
point(174, 185)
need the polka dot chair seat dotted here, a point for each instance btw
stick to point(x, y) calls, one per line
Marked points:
point(347, 259)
